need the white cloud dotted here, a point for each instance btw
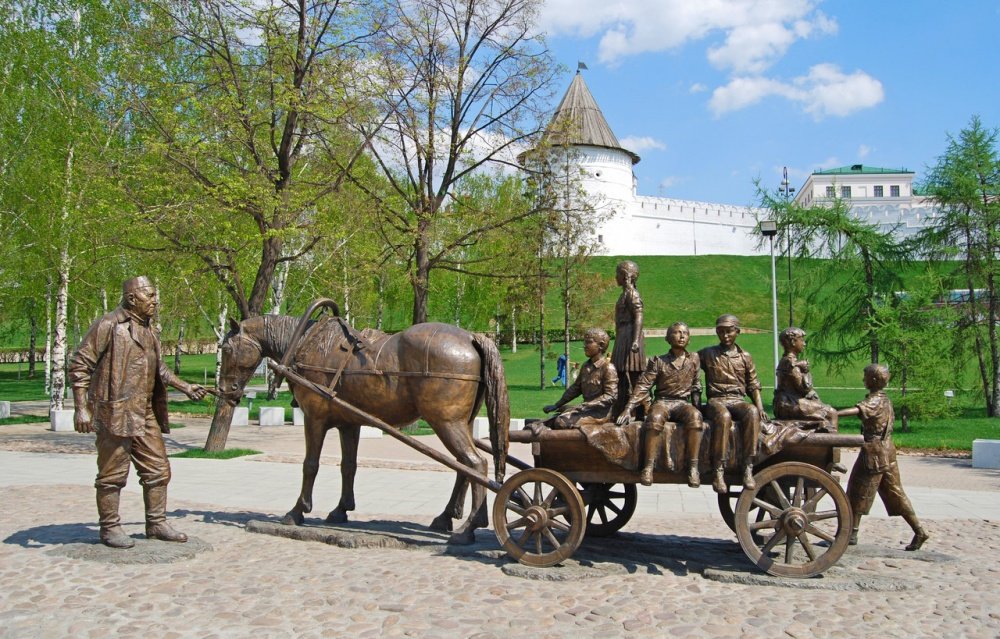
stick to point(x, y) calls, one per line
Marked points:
point(744, 39)
point(638, 144)
point(670, 181)
point(825, 91)
point(755, 32)
point(864, 151)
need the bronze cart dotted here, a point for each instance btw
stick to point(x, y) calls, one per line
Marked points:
point(796, 523)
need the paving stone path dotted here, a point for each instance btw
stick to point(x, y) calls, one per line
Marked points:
point(669, 573)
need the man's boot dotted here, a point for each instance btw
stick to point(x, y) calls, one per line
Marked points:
point(654, 439)
point(107, 512)
point(693, 452)
point(719, 483)
point(694, 477)
point(748, 482)
point(156, 515)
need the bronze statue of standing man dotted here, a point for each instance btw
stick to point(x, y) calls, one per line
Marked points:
point(119, 390)
point(629, 354)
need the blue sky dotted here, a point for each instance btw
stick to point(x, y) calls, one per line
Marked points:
point(713, 93)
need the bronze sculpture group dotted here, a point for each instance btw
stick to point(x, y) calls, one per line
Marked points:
point(443, 375)
point(667, 395)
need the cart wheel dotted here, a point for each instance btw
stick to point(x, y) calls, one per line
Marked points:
point(727, 505)
point(538, 517)
point(796, 523)
point(609, 507)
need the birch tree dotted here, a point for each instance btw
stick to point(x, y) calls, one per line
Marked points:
point(457, 87)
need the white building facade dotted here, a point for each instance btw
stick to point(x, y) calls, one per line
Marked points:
point(645, 225)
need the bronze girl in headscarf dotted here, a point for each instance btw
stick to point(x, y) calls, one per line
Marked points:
point(629, 354)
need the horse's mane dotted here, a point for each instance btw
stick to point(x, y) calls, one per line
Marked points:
point(275, 334)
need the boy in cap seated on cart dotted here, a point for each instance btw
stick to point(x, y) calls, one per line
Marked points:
point(675, 376)
point(597, 382)
point(730, 377)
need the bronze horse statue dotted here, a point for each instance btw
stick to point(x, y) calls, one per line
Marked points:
point(435, 372)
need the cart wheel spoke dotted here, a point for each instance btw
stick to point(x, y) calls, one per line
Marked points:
point(562, 511)
point(780, 493)
point(769, 524)
point(559, 525)
point(771, 509)
point(552, 538)
point(806, 546)
point(822, 534)
point(517, 523)
point(525, 536)
point(550, 498)
point(772, 542)
point(813, 501)
point(820, 516)
point(800, 489)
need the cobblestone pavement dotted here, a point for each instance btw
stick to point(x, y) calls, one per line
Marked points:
point(242, 584)
point(653, 581)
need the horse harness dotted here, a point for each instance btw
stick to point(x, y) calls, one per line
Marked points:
point(353, 342)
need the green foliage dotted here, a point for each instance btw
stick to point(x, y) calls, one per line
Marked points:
point(865, 265)
point(24, 419)
point(917, 341)
point(965, 185)
point(229, 453)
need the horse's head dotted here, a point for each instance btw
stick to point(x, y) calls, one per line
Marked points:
point(241, 354)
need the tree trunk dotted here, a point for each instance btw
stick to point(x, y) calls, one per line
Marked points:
point(218, 432)
point(58, 390)
point(380, 304)
point(869, 306)
point(421, 277)
point(32, 343)
point(541, 326)
point(270, 254)
point(179, 348)
point(48, 336)
point(513, 330)
point(993, 410)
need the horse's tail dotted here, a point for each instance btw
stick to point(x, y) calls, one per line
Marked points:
point(497, 402)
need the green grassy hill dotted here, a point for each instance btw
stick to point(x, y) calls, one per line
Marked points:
point(694, 289)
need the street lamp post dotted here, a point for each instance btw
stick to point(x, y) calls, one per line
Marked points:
point(769, 228)
point(786, 190)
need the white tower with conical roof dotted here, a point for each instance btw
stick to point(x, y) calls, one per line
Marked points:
point(605, 165)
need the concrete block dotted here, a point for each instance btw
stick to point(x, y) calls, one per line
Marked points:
point(370, 432)
point(4, 410)
point(61, 421)
point(481, 427)
point(298, 417)
point(241, 416)
point(986, 453)
point(272, 416)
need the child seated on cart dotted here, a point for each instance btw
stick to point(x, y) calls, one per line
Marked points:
point(597, 382)
point(794, 396)
point(675, 376)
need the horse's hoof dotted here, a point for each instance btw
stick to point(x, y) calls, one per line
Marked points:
point(293, 519)
point(441, 523)
point(466, 538)
point(336, 516)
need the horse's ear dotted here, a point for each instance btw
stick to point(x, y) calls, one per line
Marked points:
point(234, 326)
